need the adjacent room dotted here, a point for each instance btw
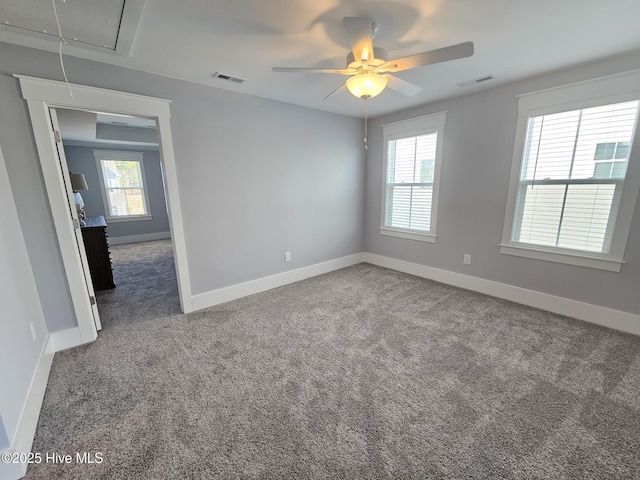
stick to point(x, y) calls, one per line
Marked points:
point(333, 239)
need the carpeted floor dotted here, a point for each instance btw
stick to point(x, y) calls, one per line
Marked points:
point(146, 285)
point(359, 373)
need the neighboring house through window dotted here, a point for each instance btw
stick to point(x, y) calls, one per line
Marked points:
point(567, 202)
point(413, 153)
point(611, 159)
point(123, 185)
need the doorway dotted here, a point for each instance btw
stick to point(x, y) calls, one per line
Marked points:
point(42, 95)
point(118, 186)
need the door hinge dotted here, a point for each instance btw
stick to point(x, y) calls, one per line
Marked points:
point(57, 136)
point(92, 299)
point(76, 223)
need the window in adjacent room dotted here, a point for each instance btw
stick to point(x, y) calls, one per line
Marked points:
point(123, 185)
point(413, 153)
point(567, 202)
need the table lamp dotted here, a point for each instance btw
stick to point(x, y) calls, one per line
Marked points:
point(78, 182)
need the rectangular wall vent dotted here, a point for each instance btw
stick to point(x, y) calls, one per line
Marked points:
point(476, 80)
point(228, 78)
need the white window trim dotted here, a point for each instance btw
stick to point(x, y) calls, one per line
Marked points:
point(601, 91)
point(122, 155)
point(411, 128)
point(408, 234)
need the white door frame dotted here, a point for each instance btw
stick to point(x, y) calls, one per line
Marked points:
point(40, 94)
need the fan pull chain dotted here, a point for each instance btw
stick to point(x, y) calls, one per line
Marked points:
point(62, 41)
point(366, 147)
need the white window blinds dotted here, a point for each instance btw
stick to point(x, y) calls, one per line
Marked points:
point(410, 176)
point(573, 167)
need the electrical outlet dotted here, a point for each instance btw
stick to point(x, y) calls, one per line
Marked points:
point(33, 331)
point(467, 259)
point(287, 256)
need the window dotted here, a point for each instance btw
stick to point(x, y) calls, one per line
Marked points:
point(616, 155)
point(123, 185)
point(413, 152)
point(571, 163)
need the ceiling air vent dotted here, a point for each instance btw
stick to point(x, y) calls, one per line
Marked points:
point(229, 78)
point(476, 80)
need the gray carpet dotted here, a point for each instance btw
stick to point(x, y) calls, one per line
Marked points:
point(146, 285)
point(359, 373)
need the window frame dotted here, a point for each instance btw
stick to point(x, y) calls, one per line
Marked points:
point(423, 125)
point(125, 156)
point(591, 93)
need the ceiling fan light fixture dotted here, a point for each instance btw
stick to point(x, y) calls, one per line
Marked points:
point(366, 85)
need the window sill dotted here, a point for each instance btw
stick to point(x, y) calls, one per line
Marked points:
point(132, 218)
point(577, 259)
point(421, 237)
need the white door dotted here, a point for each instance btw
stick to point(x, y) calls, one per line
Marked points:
point(73, 213)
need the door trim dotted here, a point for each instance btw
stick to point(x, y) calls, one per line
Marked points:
point(40, 94)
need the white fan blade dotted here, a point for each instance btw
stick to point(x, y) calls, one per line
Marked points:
point(341, 87)
point(402, 86)
point(342, 71)
point(360, 33)
point(454, 52)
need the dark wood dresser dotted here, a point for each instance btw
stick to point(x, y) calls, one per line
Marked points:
point(94, 234)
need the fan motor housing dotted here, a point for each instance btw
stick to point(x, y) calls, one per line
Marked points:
point(381, 56)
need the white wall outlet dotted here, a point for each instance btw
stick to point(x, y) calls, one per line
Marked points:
point(287, 256)
point(467, 259)
point(33, 331)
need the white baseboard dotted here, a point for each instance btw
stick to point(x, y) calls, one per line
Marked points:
point(607, 317)
point(146, 237)
point(216, 297)
point(23, 438)
point(616, 319)
point(65, 339)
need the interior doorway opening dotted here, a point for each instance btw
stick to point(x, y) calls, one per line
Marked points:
point(45, 96)
point(118, 192)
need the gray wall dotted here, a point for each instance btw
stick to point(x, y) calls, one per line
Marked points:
point(478, 149)
point(29, 193)
point(256, 177)
point(82, 160)
point(19, 352)
point(271, 178)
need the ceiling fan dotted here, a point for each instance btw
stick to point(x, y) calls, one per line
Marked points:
point(369, 67)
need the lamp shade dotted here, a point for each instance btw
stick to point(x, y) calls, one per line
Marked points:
point(366, 85)
point(78, 182)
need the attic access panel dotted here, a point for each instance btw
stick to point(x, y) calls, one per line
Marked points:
point(89, 23)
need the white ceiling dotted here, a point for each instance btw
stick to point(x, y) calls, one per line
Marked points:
point(79, 127)
point(193, 39)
